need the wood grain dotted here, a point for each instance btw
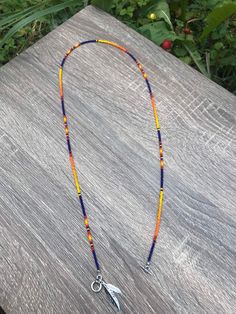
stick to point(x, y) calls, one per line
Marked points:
point(45, 261)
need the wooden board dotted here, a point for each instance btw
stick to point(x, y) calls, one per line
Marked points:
point(45, 258)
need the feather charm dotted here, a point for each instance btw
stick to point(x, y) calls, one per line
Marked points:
point(111, 290)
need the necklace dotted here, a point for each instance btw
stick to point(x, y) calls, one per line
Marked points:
point(97, 285)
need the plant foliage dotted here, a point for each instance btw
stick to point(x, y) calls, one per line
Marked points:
point(202, 32)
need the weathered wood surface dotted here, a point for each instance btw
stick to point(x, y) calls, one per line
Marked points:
point(46, 265)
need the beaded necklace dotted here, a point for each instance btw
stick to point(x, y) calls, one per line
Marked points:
point(97, 285)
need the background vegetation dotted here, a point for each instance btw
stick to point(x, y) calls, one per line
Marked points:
point(199, 32)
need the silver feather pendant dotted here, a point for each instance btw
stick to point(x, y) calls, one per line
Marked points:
point(110, 291)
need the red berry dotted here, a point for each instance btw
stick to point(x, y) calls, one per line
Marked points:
point(187, 30)
point(166, 44)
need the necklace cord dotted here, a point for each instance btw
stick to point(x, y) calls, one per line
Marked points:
point(77, 185)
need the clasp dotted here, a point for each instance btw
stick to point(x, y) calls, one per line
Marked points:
point(96, 285)
point(146, 268)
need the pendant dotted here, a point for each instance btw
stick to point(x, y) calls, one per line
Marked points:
point(110, 290)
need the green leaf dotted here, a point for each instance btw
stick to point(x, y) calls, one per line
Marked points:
point(142, 3)
point(34, 16)
point(186, 59)
point(7, 20)
point(230, 60)
point(127, 11)
point(105, 5)
point(183, 6)
point(157, 32)
point(218, 45)
point(179, 51)
point(161, 9)
point(216, 17)
point(166, 17)
point(193, 52)
point(220, 32)
point(179, 23)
